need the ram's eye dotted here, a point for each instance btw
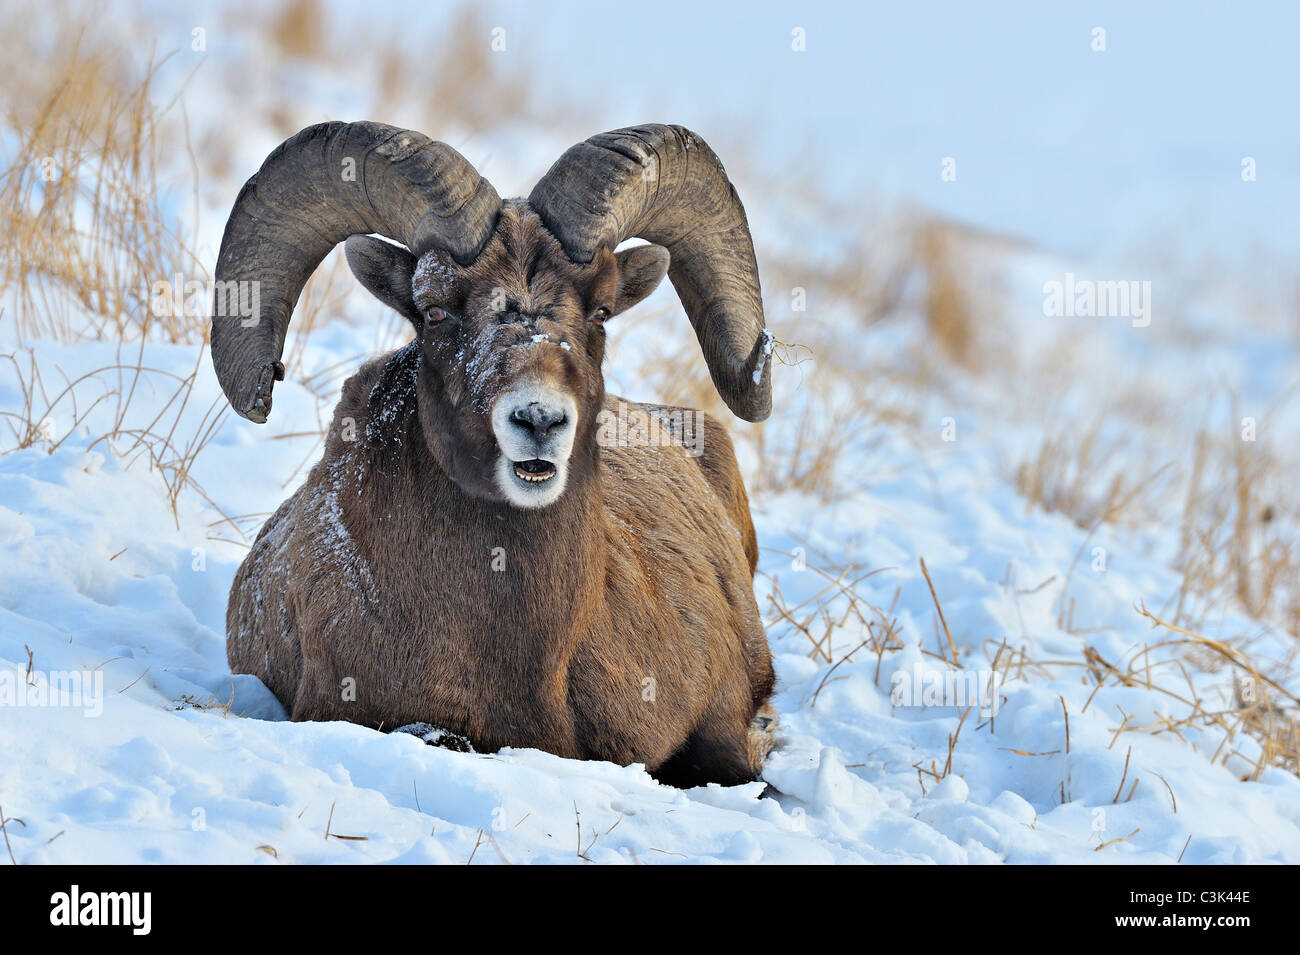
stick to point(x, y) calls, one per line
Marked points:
point(599, 316)
point(434, 315)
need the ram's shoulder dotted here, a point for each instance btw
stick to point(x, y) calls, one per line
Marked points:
point(638, 441)
point(377, 403)
point(717, 452)
point(639, 433)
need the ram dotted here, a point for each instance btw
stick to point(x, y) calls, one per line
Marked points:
point(477, 550)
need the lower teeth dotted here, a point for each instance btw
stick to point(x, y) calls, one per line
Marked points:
point(534, 477)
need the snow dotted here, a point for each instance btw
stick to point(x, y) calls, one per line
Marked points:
point(189, 763)
point(399, 379)
point(161, 755)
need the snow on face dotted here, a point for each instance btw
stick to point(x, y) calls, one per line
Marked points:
point(437, 277)
point(504, 358)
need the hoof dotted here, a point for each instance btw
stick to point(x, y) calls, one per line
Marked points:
point(762, 735)
point(443, 739)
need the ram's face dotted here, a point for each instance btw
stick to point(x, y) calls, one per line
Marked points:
point(512, 346)
point(516, 342)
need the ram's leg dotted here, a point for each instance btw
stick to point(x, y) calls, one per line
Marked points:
point(261, 636)
point(443, 739)
point(761, 736)
point(722, 749)
point(260, 639)
point(323, 696)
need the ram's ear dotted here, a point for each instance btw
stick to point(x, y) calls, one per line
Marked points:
point(385, 269)
point(640, 270)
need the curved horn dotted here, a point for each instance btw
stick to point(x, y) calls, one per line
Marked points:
point(317, 188)
point(664, 184)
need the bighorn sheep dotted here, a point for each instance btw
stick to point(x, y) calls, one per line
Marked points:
point(469, 552)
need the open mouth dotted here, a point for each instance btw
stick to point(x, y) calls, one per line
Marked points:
point(535, 471)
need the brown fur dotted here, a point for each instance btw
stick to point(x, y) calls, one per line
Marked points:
point(622, 625)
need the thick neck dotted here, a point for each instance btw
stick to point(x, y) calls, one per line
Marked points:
point(544, 566)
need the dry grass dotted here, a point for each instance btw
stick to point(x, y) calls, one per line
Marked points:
point(950, 307)
point(1259, 707)
point(471, 85)
point(804, 458)
point(1087, 475)
point(1240, 532)
point(838, 403)
point(457, 80)
point(835, 615)
point(188, 701)
point(865, 281)
point(826, 414)
point(48, 415)
point(1239, 529)
point(298, 29)
point(833, 401)
point(87, 231)
point(87, 225)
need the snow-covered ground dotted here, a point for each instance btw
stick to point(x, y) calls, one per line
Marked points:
point(176, 760)
point(160, 754)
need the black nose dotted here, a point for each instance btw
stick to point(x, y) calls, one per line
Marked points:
point(538, 418)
